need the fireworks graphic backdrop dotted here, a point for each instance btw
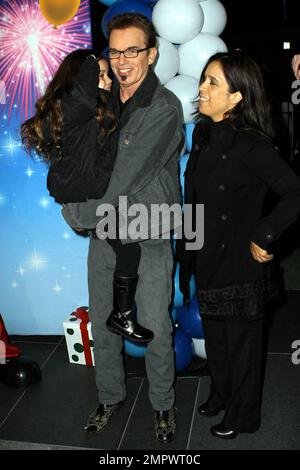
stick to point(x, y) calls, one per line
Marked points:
point(43, 262)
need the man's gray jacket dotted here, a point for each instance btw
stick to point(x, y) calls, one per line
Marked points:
point(146, 167)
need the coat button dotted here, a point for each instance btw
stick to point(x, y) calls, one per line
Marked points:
point(269, 236)
point(224, 217)
point(223, 245)
point(197, 146)
point(221, 187)
point(126, 141)
point(224, 156)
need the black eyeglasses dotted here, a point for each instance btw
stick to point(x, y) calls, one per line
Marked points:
point(129, 53)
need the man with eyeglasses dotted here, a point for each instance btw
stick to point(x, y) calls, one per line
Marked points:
point(146, 171)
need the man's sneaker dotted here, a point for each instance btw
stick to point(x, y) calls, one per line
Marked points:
point(101, 417)
point(165, 425)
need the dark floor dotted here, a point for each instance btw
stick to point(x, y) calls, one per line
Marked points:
point(51, 414)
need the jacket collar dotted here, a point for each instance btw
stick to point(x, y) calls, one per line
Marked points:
point(141, 98)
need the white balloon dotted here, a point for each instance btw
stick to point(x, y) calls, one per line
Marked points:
point(215, 17)
point(186, 90)
point(195, 53)
point(168, 62)
point(199, 347)
point(178, 21)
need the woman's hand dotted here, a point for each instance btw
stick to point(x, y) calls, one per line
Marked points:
point(260, 255)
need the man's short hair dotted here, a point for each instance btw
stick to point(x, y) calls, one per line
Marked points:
point(127, 20)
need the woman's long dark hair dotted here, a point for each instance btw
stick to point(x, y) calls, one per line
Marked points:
point(242, 74)
point(49, 106)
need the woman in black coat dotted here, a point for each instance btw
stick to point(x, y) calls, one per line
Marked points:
point(232, 163)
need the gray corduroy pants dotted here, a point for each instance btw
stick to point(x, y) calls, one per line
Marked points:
point(153, 297)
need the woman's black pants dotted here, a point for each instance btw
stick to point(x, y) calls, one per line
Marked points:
point(235, 360)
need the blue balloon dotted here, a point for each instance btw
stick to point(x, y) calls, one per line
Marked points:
point(134, 349)
point(184, 349)
point(124, 6)
point(107, 2)
point(189, 320)
point(182, 164)
point(178, 297)
point(189, 129)
point(150, 2)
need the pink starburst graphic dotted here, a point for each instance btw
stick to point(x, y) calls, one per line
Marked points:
point(31, 50)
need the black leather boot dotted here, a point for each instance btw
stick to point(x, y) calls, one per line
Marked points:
point(122, 319)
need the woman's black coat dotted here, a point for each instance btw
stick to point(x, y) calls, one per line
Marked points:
point(231, 179)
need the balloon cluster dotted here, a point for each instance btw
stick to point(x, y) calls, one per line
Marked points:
point(188, 34)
